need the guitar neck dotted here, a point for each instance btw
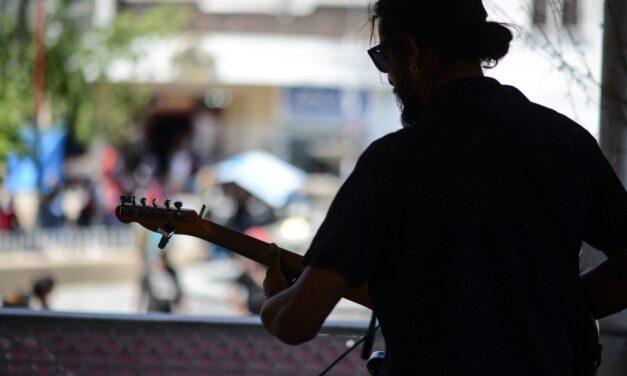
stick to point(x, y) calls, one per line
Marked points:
point(249, 247)
point(167, 221)
point(257, 250)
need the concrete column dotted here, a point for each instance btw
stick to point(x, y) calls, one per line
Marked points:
point(613, 135)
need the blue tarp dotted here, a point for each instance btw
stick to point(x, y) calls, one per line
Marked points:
point(22, 169)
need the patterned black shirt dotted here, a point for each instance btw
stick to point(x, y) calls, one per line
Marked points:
point(468, 225)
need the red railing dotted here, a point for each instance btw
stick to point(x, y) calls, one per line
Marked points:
point(50, 343)
point(54, 343)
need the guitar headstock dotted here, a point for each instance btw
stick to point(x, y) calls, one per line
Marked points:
point(165, 219)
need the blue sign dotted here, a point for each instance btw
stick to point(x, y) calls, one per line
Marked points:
point(324, 103)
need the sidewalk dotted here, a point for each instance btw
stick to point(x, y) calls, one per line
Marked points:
point(19, 269)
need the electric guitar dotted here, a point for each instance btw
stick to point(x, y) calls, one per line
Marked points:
point(169, 219)
point(172, 218)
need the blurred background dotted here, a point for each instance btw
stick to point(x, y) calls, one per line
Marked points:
point(257, 109)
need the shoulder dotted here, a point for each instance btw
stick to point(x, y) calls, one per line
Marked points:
point(391, 146)
point(540, 123)
point(559, 121)
point(562, 129)
point(384, 160)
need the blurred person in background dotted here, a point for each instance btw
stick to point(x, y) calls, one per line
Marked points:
point(78, 200)
point(42, 288)
point(239, 210)
point(8, 220)
point(51, 214)
point(180, 165)
point(110, 186)
point(89, 214)
point(15, 299)
point(241, 218)
point(249, 211)
point(463, 229)
point(160, 287)
point(248, 296)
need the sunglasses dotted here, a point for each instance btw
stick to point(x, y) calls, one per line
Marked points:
point(379, 55)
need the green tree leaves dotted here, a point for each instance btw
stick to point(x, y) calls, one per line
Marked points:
point(77, 88)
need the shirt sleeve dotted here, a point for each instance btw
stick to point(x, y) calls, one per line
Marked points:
point(358, 226)
point(606, 219)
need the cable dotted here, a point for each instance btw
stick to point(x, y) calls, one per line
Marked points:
point(368, 333)
point(369, 339)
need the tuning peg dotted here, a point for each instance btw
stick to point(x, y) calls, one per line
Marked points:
point(202, 211)
point(167, 203)
point(166, 232)
point(143, 201)
point(123, 199)
point(154, 203)
point(178, 205)
point(134, 203)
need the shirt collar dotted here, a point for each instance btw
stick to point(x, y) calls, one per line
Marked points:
point(477, 93)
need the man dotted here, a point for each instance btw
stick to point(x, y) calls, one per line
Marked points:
point(465, 225)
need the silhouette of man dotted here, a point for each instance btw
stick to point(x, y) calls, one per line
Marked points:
point(465, 225)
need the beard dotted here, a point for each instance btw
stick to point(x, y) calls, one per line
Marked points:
point(410, 108)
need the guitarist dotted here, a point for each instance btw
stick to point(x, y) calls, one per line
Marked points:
point(464, 227)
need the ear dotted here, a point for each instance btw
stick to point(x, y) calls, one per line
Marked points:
point(414, 55)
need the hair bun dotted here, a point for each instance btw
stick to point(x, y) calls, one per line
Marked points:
point(493, 42)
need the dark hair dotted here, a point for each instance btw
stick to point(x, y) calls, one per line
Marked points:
point(463, 34)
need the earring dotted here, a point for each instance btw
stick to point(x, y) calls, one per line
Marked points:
point(413, 69)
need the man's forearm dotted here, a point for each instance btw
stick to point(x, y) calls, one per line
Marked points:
point(271, 311)
point(281, 322)
point(605, 290)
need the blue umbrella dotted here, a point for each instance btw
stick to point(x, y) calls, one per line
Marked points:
point(263, 175)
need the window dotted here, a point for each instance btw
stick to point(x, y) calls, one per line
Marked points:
point(539, 12)
point(570, 12)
